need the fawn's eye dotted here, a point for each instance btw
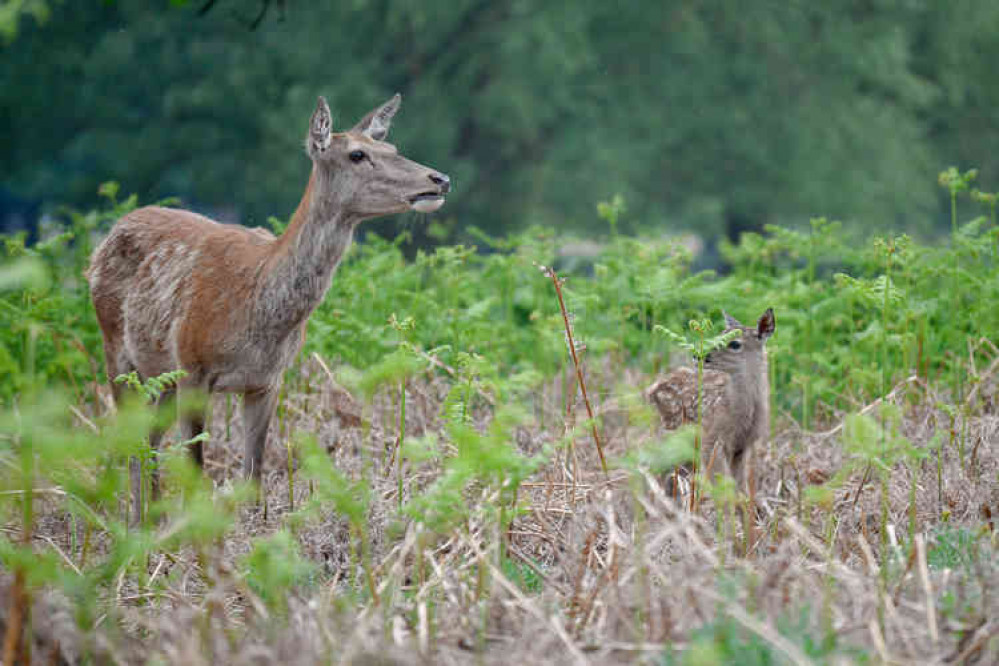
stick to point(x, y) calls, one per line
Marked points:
point(735, 345)
point(356, 156)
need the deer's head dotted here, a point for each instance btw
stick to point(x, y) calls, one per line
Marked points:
point(368, 174)
point(746, 354)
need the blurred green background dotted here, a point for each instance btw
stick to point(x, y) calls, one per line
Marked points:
point(713, 116)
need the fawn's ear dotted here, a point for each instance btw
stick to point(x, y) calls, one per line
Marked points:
point(731, 321)
point(320, 127)
point(766, 325)
point(376, 124)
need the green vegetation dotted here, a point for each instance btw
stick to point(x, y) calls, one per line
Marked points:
point(724, 641)
point(431, 516)
point(955, 547)
point(856, 315)
point(463, 466)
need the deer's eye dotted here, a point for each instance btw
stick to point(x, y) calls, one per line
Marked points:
point(735, 345)
point(356, 156)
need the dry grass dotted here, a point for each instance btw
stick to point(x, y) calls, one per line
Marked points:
point(620, 573)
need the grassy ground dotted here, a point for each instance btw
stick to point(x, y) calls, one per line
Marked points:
point(486, 529)
point(593, 568)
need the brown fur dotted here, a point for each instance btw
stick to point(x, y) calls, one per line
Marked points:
point(735, 403)
point(229, 305)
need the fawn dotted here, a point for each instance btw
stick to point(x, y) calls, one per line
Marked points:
point(228, 304)
point(735, 405)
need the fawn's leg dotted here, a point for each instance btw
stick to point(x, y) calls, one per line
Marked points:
point(676, 482)
point(741, 464)
point(742, 470)
point(737, 463)
point(258, 407)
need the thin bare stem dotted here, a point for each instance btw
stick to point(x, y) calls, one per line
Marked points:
point(550, 272)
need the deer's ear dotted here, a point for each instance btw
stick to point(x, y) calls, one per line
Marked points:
point(766, 326)
point(376, 124)
point(731, 321)
point(320, 127)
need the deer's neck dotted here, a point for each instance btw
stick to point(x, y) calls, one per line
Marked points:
point(300, 268)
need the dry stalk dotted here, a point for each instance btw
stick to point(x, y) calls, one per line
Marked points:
point(790, 650)
point(424, 630)
point(14, 647)
point(924, 575)
point(550, 272)
point(84, 420)
point(985, 634)
point(575, 601)
point(913, 379)
point(973, 393)
point(844, 572)
point(589, 603)
point(17, 650)
point(878, 640)
point(527, 604)
point(513, 550)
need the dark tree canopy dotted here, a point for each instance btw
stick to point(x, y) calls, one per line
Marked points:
point(717, 115)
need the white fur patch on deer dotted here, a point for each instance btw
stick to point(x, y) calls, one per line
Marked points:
point(428, 205)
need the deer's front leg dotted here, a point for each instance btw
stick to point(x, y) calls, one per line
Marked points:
point(258, 407)
point(192, 405)
point(192, 424)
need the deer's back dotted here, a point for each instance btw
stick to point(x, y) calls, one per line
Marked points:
point(169, 283)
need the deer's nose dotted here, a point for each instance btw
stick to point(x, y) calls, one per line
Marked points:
point(442, 181)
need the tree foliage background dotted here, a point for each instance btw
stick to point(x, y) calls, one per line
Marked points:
point(713, 115)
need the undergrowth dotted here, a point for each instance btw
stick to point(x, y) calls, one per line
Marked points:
point(468, 504)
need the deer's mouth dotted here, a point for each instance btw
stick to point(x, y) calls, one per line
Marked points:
point(426, 202)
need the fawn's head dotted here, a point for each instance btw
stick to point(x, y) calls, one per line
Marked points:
point(745, 355)
point(369, 175)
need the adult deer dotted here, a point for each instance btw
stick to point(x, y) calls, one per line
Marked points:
point(228, 304)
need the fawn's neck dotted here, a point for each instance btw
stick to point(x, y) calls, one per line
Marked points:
point(749, 396)
point(300, 268)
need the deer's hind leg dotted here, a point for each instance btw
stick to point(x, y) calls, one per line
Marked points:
point(116, 361)
point(116, 364)
point(108, 304)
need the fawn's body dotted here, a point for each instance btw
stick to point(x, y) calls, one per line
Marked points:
point(735, 403)
point(228, 304)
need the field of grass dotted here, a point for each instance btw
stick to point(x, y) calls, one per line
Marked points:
point(433, 485)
